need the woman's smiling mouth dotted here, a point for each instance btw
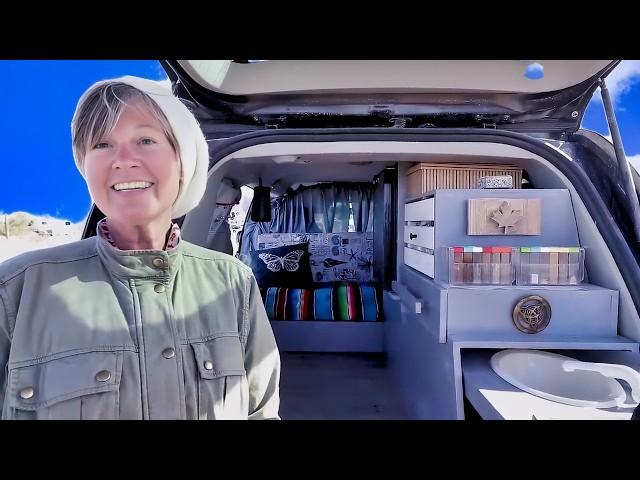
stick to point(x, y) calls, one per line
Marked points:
point(131, 186)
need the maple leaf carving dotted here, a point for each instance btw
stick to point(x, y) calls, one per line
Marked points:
point(505, 216)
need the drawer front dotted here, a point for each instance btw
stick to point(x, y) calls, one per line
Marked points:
point(419, 211)
point(420, 236)
point(576, 312)
point(421, 261)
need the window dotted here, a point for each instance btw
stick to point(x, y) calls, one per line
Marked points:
point(624, 87)
point(237, 216)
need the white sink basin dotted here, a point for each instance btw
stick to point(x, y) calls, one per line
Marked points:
point(565, 380)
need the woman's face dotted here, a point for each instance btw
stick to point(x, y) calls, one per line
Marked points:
point(136, 150)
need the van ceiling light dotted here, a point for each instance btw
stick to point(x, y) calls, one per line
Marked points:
point(286, 158)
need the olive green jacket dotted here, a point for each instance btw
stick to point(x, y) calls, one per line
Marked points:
point(88, 331)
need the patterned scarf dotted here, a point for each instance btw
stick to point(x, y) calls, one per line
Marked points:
point(174, 235)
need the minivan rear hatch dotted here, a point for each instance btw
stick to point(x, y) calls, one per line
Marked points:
point(544, 96)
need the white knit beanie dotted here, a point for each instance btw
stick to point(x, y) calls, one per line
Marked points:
point(192, 145)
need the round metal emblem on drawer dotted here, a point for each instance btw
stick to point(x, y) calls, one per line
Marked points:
point(532, 314)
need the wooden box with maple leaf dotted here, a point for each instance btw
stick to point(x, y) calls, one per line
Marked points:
point(504, 216)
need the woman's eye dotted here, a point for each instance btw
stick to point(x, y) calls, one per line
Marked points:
point(147, 141)
point(101, 145)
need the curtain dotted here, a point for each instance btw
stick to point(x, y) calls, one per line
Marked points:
point(321, 208)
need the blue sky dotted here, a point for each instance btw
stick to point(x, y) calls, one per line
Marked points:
point(624, 86)
point(38, 99)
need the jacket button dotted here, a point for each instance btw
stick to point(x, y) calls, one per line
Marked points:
point(26, 393)
point(159, 288)
point(208, 365)
point(168, 353)
point(103, 375)
point(158, 262)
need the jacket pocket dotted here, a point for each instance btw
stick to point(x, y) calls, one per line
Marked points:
point(74, 387)
point(223, 391)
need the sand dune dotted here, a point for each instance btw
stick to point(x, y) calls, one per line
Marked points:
point(12, 246)
point(33, 232)
point(38, 232)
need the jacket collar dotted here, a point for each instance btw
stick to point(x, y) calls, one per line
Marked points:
point(158, 265)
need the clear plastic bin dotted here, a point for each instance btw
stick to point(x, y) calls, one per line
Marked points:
point(549, 265)
point(481, 265)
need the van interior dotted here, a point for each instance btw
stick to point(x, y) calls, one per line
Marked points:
point(379, 326)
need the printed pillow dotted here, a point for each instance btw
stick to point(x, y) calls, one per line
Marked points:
point(288, 303)
point(348, 301)
point(286, 266)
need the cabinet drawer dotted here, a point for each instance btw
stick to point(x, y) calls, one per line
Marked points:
point(420, 236)
point(421, 261)
point(420, 211)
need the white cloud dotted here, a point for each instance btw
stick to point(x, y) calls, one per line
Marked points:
point(634, 160)
point(620, 81)
point(166, 83)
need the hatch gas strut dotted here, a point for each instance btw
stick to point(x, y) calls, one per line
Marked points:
point(623, 164)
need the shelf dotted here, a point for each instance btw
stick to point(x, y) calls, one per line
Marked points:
point(582, 287)
point(537, 341)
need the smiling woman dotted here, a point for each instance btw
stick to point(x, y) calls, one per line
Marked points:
point(125, 147)
point(147, 325)
point(133, 173)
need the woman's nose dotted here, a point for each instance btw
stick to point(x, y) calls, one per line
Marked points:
point(125, 157)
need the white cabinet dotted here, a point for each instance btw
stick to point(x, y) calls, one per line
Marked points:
point(440, 219)
point(419, 235)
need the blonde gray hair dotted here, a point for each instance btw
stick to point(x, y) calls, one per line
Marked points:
point(98, 113)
